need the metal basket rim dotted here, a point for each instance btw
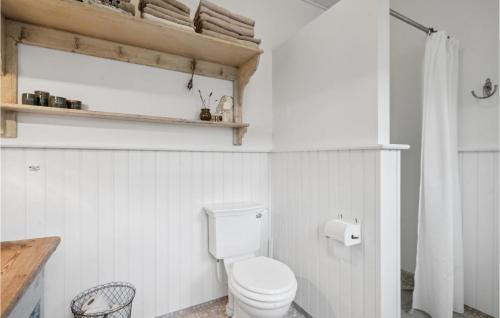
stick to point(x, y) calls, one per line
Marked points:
point(100, 287)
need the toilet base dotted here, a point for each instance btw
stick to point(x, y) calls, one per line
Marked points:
point(238, 309)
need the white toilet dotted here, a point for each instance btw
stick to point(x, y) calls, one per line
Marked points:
point(259, 287)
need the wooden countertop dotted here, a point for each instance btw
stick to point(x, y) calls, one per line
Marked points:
point(20, 262)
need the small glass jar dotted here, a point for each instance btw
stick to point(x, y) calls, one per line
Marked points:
point(205, 114)
point(58, 102)
point(29, 99)
point(42, 98)
point(73, 104)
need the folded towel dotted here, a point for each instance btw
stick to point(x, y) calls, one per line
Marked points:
point(174, 15)
point(160, 17)
point(228, 38)
point(179, 5)
point(202, 9)
point(226, 12)
point(100, 4)
point(228, 26)
point(205, 25)
point(163, 4)
point(129, 7)
point(113, 3)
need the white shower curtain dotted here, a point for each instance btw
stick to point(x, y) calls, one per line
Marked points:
point(439, 287)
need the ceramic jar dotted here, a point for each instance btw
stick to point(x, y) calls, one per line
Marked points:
point(56, 101)
point(29, 99)
point(42, 98)
point(205, 114)
point(74, 104)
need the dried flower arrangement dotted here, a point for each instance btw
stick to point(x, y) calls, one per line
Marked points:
point(205, 110)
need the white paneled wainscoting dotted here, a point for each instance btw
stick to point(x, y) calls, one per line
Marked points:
point(479, 182)
point(311, 187)
point(126, 215)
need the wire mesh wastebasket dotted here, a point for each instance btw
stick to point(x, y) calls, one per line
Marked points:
point(117, 296)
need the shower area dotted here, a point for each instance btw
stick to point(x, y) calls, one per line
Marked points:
point(444, 104)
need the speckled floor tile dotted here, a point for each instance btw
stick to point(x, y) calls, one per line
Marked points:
point(217, 309)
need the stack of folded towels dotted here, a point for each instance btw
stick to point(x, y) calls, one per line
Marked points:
point(122, 6)
point(166, 11)
point(219, 22)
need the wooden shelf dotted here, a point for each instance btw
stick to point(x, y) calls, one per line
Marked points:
point(116, 116)
point(72, 26)
point(101, 23)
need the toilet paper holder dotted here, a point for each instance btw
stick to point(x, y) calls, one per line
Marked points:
point(347, 233)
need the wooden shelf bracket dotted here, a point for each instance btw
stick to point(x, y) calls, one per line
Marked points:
point(8, 120)
point(245, 72)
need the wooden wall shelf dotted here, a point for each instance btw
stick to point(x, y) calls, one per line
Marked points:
point(100, 23)
point(72, 26)
point(115, 116)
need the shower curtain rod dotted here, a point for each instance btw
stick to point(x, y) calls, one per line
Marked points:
point(411, 22)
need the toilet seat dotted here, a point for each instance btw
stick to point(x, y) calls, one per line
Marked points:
point(263, 275)
point(262, 282)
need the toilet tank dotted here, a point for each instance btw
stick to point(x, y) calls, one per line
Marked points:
point(234, 229)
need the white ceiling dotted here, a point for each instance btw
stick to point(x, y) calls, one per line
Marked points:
point(324, 4)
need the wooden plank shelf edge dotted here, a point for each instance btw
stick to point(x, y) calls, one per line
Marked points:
point(116, 116)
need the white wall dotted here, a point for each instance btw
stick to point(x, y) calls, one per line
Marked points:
point(478, 120)
point(127, 215)
point(312, 187)
point(118, 86)
point(479, 178)
point(331, 79)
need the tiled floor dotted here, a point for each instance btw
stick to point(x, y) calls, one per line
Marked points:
point(217, 309)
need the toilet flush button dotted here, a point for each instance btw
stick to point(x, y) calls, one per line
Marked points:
point(258, 216)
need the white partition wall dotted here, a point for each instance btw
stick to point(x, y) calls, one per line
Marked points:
point(331, 113)
point(331, 79)
point(311, 187)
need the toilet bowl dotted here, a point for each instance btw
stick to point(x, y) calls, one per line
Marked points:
point(259, 287)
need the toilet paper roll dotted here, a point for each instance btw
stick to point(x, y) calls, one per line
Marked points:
point(346, 233)
point(95, 304)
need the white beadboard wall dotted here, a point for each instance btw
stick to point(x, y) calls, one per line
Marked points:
point(479, 182)
point(312, 187)
point(126, 215)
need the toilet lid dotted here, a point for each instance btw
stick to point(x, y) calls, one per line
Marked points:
point(263, 275)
